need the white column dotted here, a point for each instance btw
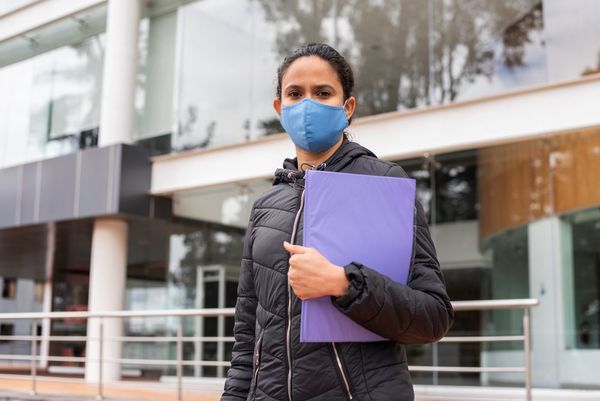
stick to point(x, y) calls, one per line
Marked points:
point(47, 301)
point(117, 123)
point(545, 283)
point(117, 116)
point(108, 268)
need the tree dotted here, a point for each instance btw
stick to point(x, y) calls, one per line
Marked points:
point(408, 53)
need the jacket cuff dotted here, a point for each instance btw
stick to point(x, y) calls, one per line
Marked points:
point(355, 287)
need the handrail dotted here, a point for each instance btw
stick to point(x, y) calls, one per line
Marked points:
point(207, 312)
point(179, 339)
point(525, 305)
point(463, 306)
point(458, 306)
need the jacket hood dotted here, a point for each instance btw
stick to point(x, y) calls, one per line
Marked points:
point(343, 156)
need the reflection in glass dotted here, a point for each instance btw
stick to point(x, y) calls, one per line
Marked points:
point(456, 195)
point(156, 76)
point(582, 287)
point(405, 54)
point(420, 170)
point(46, 102)
point(509, 255)
point(182, 265)
point(476, 265)
point(572, 38)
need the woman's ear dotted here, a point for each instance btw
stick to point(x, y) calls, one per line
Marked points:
point(350, 106)
point(277, 106)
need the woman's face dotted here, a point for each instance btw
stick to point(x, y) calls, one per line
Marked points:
point(314, 78)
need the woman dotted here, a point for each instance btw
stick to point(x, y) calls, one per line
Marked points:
point(315, 103)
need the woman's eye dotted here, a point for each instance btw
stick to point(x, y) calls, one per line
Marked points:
point(294, 94)
point(323, 94)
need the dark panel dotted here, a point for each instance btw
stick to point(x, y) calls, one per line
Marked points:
point(58, 188)
point(23, 252)
point(93, 182)
point(9, 184)
point(161, 208)
point(134, 181)
point(29, 193)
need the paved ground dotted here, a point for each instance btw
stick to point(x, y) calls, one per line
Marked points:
point(51, 389)
point(18, 389)
point(12, 396)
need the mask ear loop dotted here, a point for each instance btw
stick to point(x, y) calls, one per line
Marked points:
point(344, 108)
point(313, 167)
point(345, 131)
point(308, 164)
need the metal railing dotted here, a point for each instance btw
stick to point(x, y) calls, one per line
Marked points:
point(180, 339)
point(502, 304)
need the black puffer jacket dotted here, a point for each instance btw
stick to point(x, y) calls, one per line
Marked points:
point(270, 363)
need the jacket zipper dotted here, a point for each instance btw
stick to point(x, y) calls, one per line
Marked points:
point(257, 355)
point(289, 328)
point(341, 368)
point(288, 338)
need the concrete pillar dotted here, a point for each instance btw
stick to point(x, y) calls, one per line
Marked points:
point(47, 302)
point(108, 268)
point(117, 116)
point(545, 283)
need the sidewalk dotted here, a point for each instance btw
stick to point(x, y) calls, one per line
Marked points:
point(54, 389)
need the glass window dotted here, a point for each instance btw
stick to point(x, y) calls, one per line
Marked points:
point(72, 76)
point(404, 54)
point(9, 288)
point(572, 38)
point(228, 204)
point(156, 76)
point(176, 265)
point(38, 291)
point(456, 196)
point(49, 102)
point(6, 329)
point(582, 279)
point(477, 264)
point(226, 83)
point(509, 254)
point(484, 47)
point(421, 170)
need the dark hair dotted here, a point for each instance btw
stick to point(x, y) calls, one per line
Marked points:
point(327, 53)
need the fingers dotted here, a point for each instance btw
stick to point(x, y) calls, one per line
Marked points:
point(293, 260)
point(294, 249)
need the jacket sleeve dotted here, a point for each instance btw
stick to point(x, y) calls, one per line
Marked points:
point(239, 374)
point(416, 313)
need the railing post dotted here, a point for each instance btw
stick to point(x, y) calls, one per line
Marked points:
point(527, 348)
point(99, 395)
point(435, 360)
point(33, 358)
point(180, 359)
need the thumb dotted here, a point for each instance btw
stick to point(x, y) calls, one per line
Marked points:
point(293, 249)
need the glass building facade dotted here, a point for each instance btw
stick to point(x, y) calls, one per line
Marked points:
point(207, 77)
point(208, 68)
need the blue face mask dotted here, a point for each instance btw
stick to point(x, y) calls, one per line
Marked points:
point(313, 126)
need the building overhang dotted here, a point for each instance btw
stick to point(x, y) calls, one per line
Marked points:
point(503, 118)
point(106, 181)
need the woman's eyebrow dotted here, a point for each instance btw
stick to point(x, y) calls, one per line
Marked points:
point(292, 86)
point(324, 86)
point(320, 86)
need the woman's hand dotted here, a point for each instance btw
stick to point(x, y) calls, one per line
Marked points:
point(311, 275)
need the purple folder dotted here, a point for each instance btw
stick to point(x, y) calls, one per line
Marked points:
point(354, 217)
